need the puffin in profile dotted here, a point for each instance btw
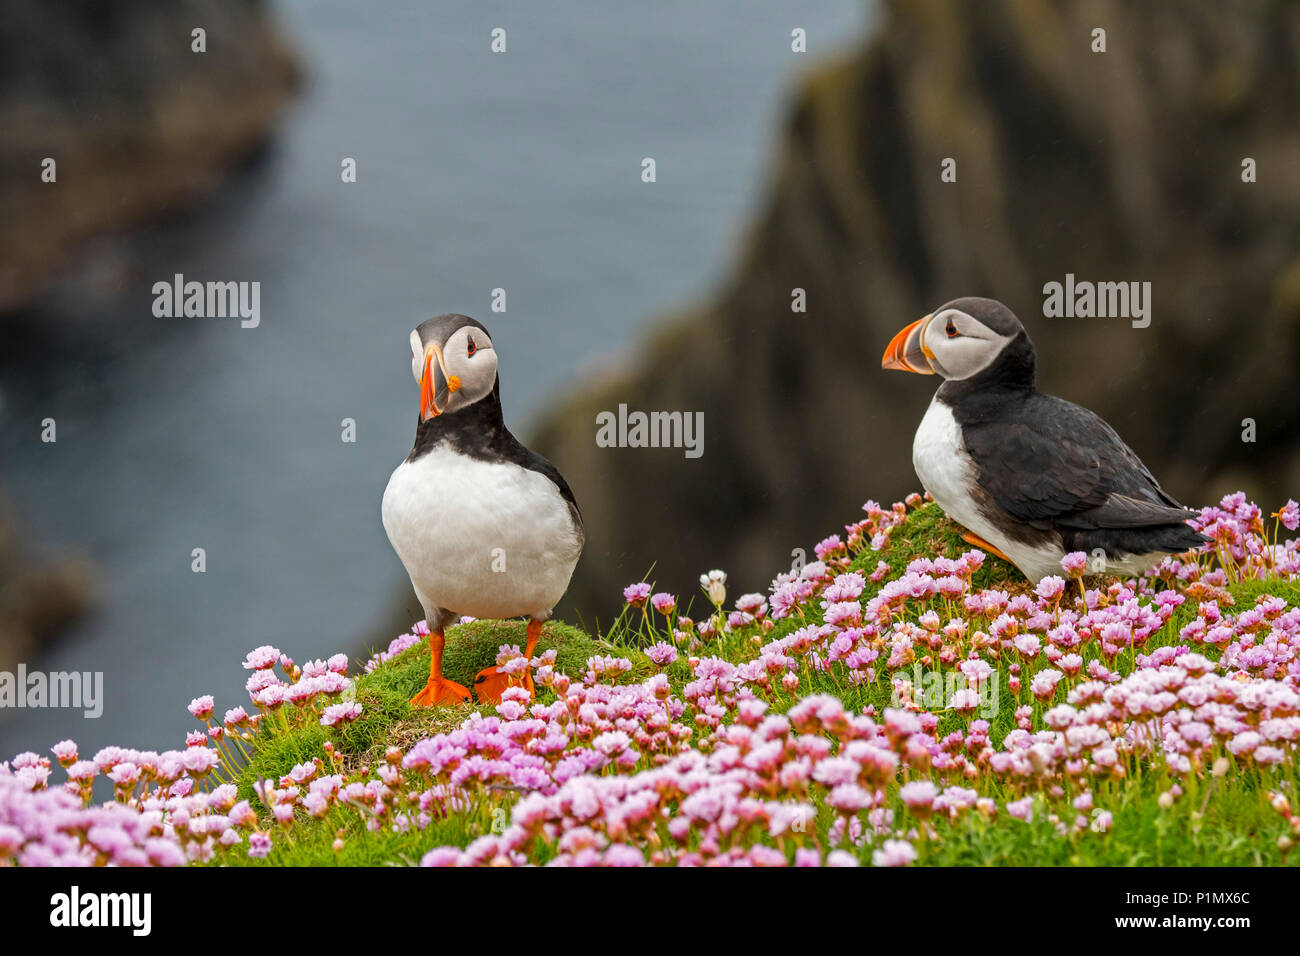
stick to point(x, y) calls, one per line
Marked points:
point(1033, 477)
point(484, 526)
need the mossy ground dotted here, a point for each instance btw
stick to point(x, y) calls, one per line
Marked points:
point(1225, 821)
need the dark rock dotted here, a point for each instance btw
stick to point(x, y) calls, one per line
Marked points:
point(140, 126)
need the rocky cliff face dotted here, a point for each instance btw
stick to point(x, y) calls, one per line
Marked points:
point(138, 123)
point(1117, 166)
point(139, 127)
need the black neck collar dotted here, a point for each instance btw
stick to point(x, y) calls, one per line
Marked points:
point(475, 430)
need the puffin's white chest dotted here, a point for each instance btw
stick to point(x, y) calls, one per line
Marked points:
point(948, 474)
point(947, 471)
point(943, 466)
point(488, 539)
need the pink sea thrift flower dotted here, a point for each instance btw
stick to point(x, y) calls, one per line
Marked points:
point(661, 653)
point(1044, 683)
point(1051, 588)
point(259, 845)
point(893, 853)
point(65, 751)
point(261, 658)
point(636, 594)
point(663, 602)
point(919, 796)
point(1022, 809)
point(1075, 563)
point(340, 714)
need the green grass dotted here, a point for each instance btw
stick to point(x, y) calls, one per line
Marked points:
point(928, 533)
point(1237, 828)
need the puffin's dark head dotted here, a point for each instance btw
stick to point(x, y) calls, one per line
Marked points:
point(959, 340)
point(453, 360)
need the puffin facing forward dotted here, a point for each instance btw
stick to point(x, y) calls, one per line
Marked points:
point(1033, 477)
point(484, 526)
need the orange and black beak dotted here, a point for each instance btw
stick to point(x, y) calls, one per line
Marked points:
point(907, 351)
point(436, 386)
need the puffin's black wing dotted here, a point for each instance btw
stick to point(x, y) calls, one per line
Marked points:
point(521, 455)
point(1051, 464)
point(511, 449)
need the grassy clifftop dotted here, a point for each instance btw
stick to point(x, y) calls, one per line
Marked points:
point(900, 699)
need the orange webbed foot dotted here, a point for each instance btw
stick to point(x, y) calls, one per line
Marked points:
point(491, 683)
point(440, 692)
point(970, 537)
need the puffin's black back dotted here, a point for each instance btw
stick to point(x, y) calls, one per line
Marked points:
point(1051, 464)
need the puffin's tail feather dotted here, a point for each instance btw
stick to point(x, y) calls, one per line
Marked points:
point(1169, 538)
point(1127, 512)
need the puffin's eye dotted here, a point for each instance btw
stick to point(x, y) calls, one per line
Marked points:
point(470, 349)
point(951, 330)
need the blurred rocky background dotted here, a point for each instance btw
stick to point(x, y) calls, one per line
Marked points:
point(112, 90)
point(1115, 166)
point(140, 122)
point(777, 171)
point(41, 594)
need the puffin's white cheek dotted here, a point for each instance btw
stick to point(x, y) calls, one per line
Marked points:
point(485, 374)
point(969, 356)
point(417, 353)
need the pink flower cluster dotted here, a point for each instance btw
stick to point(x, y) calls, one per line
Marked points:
point(1243, 542)
point(168, 824)
point(176, 806)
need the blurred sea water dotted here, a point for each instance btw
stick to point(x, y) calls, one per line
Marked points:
point(476, 171)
